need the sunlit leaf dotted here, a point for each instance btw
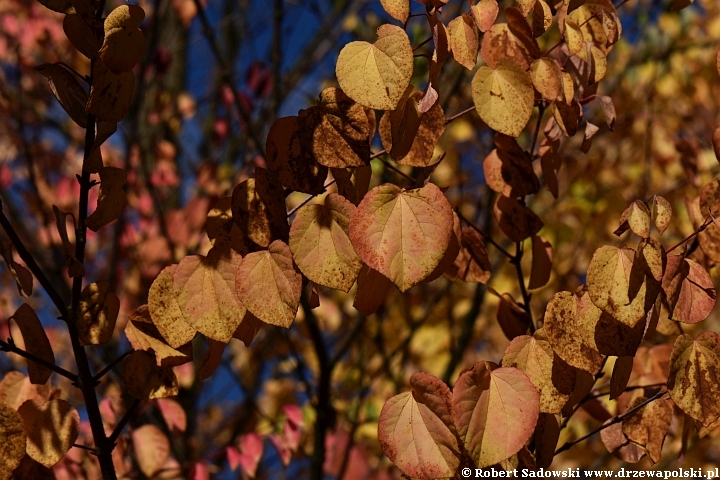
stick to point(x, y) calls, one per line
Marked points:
point(495, 411)
point(546, 77)
point(269, 286)
point(463, 40)
point(693, 382)
point(648, 426)
point(416, 430)
point(552, 377)
point(51, 429)
point(151, 448)
point(320, 244)
point(689, 290)
point(12, 440)
point(398, 9)
point(503, 97)
point(485, 13)
point(376, 75)
point(205, 292)
point(403, 234)
point(165, 311)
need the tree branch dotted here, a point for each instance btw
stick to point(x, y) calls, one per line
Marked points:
point(10, 347)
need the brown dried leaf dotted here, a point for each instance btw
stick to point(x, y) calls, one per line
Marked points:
point(431, 128)
point(36, 343)
point(552, 377)
point(67, 90)
point(23, 277)
point(269, 286)
point(211, 359)
point(110, 94)
point(51, 429)
point(648, 426)
point(205, 291)
point(97, 314)
point(403, 234)
point(320, 245)
point(143, 379)
point(112, 199)
point(336, 131)
point(542, 261)
point(295, 167)
point(500, 43)
point(372, 289)
point(542, 18)
point(258, 208)
point(618, 444)
point(567, 116)
point(620, 376)
point(86, 33)
point(547, 434)
point(472, 263)
point(516, 221)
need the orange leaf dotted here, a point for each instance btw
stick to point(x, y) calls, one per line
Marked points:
point(403, 234)
point(495, 411)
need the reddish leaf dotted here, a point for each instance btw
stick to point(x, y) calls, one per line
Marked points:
point(151, 447)
point(689, 290)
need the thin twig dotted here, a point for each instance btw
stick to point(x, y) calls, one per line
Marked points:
point(85, 447)
point(27, 257)
point(112, 364)
point(485, 237)
point(617, 419)
point(12, 348)
point(123, 421)
point(702, 227)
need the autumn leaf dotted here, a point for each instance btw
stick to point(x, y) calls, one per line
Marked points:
point(514, 321)
point(320, 245)
point(12, 447)
point(661, 213)
point(145, 380)
point(152, 448)
point(295, 167)
point(542, 262)
point(693, 381)
point(648, 426)
point(620, 376)
point(546, 77)
point(372, 290)
point(617, 285)
point(500, 43)
point(689, 290)
point(165, 311)
point(495, 411)
point(398, 9)
point(416, 430)
point(336, 131)
point(618, 444)
point(86, 33)
point(67, 90)
point(75, 267)
point(571, 333)
point(173, 413)
point(205, 292)
point(36, 343)
point(463, 40)
point(516, 220)
point(376, 75)
point(509, 169)
point(110, 93)
point(97, 314)
point(472, 263)
point(258, 208)
point(269, 286)
point(573, 37)
point(429, 131)
point(503, 97)
point(144, 335)
point(567, 115)
point(23, 277)
point(51, 429)
point(542, 18)
point(124, 42)
point(403, 234)
point(112, 198)
point(547, 434)
point(552, 377)
point(484, 13)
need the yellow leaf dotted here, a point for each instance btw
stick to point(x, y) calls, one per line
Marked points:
point(320, 245)
point(503, 97)
point(463, 41)
point(376, 75)
point(97, 314)
point(51, 429)
point(12, 440)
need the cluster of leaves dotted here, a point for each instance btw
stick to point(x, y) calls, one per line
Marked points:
point(264, 262)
